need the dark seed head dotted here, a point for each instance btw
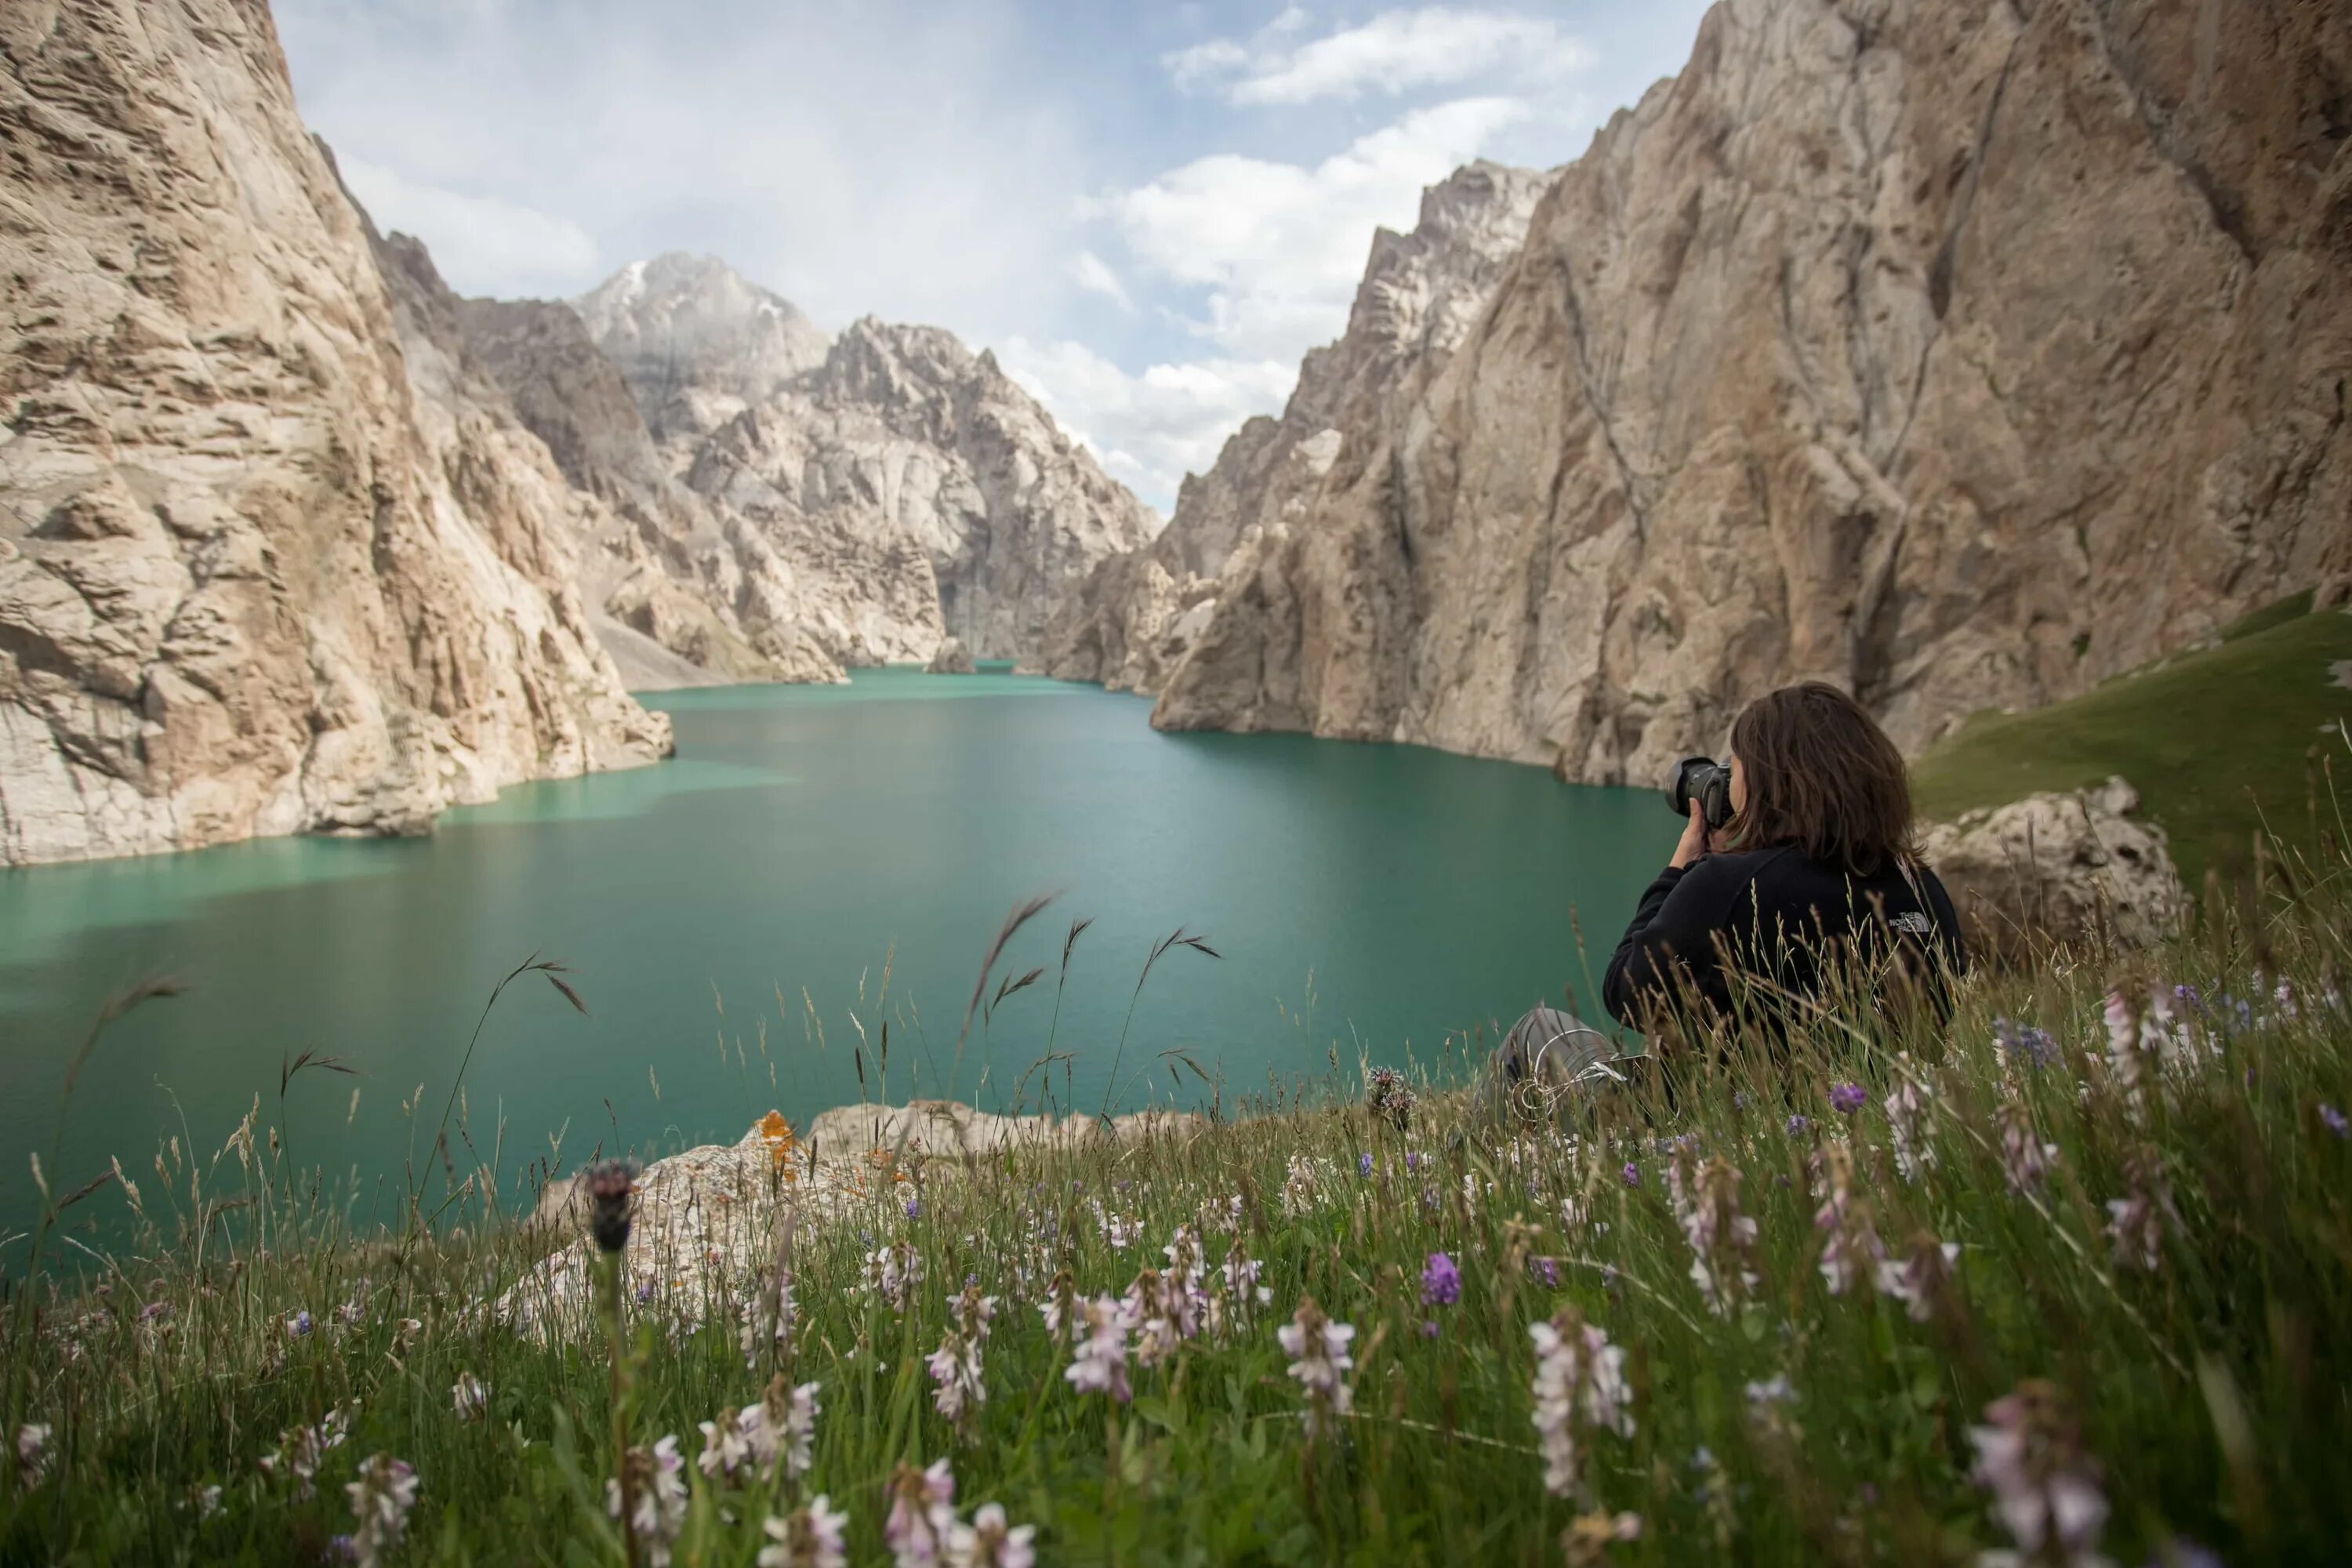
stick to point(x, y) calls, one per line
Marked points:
point(611, 1183)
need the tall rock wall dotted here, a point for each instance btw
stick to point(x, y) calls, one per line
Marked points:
point(1131, 621)
point(260, 569)
point(1963, 354)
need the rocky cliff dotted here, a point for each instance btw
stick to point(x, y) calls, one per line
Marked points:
point(1131, 620)
point(265, 564)
point(1961, 354)
point(895, 491)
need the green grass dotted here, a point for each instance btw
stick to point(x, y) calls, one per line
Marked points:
point(2203, 1389)
point(2214, 740)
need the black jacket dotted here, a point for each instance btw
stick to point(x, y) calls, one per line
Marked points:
point(1771, 911)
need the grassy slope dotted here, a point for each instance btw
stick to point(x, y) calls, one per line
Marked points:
point(2194, 733)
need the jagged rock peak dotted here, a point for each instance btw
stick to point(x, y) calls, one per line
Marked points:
point(1130, 622)
point(696, 341)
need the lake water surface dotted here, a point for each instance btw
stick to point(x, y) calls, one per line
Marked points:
point(803, 837)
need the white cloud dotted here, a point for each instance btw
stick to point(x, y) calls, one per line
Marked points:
point(1279, 247)
point(1148, 431)
point(1395, 52)
point(1094, 275)
point(521, 250)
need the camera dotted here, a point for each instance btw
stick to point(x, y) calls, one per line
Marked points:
point(1705, 781)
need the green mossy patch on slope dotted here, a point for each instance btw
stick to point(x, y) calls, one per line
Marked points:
point(2216, 741)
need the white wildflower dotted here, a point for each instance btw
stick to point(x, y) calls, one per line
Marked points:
point(468, 1397)
point(1317, 1348)
point(810, 1536)
point(988, 1543)
point(1579, 1379)
point(1099, 1366)
point(381, 1498)
point(922, 1515)
point(658, 1482)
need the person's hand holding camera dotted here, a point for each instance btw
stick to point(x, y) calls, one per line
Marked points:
point(1695, 840)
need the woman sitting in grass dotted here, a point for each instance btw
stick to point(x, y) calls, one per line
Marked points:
point(1815, 875)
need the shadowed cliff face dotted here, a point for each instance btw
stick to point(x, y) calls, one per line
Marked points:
point(260, 569)
point(1964, 355)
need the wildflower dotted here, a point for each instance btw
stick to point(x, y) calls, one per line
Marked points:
point(2044, 1488)
point(1364, 1166)
point(381, 1498)
point(893, 1271)
point(1851, 1246)
point(2333, 1119)
point(1060, 1307)
point(659, 1496)
point(756, 1312)
point(1441, 1281)
point(1317, 1348)
point(1848, 1097)
point(32, 1455)
point(987, 1543)
point(1632, 1175)
point(301, 1449)
point(1580, 1375)
point(1587, 1541)
point(2025, 1157)
point(1796, 1126)
point(1545, 1272)
point(1299, 1186)
point(1389, 1098)
point(405, 1333)
point(2024, 1043)
point(611, 1183)
point(955, 1366)
point(914, 1208)
point(1429, 1330)
point(1920, 1280)
point(810, 1536)
point(797, 1429)
point(730, 1443)
point(1118, 1230)
point(2136, 1220)
point(1774, 1390)
point(1100, 1364)
point(468, 1397)
point(299, 1326)
point(1241, 1295)
point(1914, 1150)
point(1722, 1239)
point(922, 1515)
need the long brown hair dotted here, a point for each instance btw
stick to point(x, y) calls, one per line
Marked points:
point(1821, 775)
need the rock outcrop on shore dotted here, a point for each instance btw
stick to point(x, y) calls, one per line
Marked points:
point(267, 564)
point(1962, 356)
point(2076, 867)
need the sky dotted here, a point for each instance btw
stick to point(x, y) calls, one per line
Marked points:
point(1148, 211)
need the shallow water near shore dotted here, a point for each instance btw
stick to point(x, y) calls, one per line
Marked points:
point(714, 910)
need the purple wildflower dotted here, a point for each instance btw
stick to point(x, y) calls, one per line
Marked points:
point(914, 1208)
point(1546, 1270)
point(1848, 1097)
point(1363, 1164)
point(1441, 1281)
point(2024, 1043)
point(1796, 1125)
point(1632, 1175)
point(2333, 1119)
point(1429, 1328)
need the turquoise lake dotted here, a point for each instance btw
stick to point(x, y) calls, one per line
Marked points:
point(1381, 898)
